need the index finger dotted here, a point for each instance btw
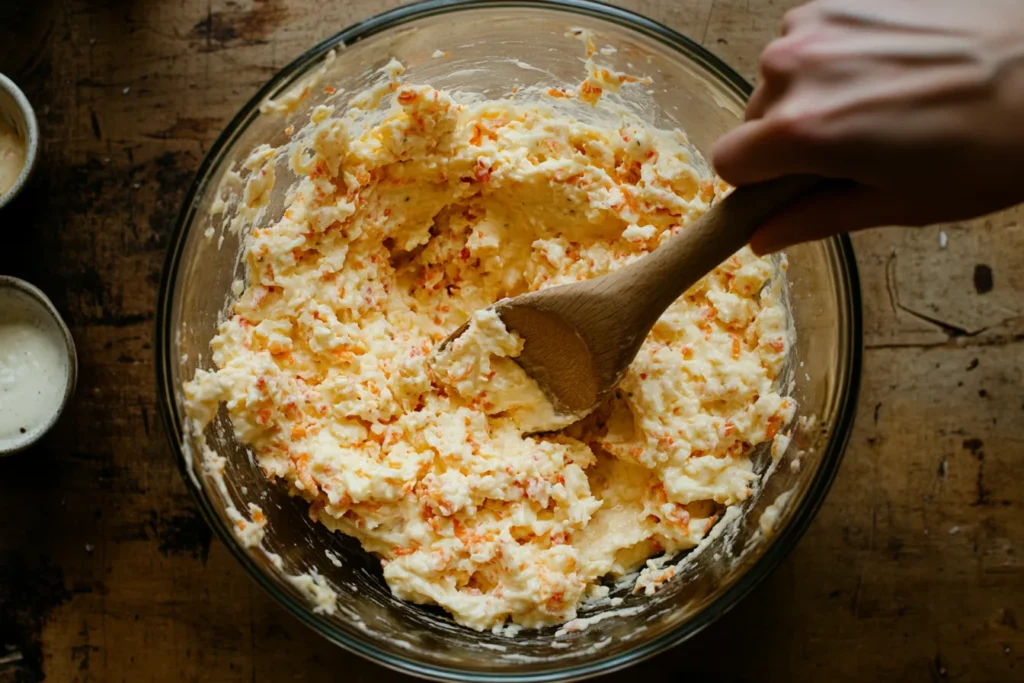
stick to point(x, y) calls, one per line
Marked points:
point(763, 149)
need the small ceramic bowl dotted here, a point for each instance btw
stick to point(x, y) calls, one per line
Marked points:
point(16, 111)
point(42, 305)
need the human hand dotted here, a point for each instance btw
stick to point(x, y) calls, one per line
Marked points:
point(917, 105)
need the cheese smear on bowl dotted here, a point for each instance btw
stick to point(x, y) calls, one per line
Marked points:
point(406, 225)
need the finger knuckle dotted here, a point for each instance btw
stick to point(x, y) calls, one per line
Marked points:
point(797, 16)
point(779, 59)
point(791, 19)
point(800, 126)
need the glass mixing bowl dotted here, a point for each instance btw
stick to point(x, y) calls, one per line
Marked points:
point(489, 43)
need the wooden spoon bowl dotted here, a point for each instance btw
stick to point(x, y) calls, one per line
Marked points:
point(580, 338)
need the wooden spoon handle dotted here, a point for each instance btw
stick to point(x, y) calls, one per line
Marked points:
point(665, 274)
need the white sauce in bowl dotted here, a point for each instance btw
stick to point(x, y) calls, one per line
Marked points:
point(34, 367)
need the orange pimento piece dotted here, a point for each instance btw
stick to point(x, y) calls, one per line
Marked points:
point(589, 92)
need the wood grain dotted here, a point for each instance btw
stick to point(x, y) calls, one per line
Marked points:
point(913, 570)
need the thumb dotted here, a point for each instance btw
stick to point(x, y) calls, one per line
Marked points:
point(839, 207)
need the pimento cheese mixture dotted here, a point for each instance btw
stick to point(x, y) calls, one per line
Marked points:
point(399, 231)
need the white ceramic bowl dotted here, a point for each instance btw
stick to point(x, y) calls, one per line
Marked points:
point(35, 298)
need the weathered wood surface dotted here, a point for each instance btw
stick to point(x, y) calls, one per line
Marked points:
point(913, 570)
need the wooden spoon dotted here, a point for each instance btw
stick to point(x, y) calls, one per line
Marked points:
point(580, 338)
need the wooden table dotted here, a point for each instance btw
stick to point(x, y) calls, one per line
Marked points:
point(913, 570)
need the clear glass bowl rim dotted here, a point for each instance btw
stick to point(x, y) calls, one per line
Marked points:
point(848, 285)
